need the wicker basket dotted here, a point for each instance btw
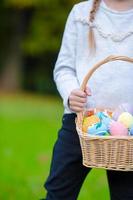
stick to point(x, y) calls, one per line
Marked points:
point(107, 152)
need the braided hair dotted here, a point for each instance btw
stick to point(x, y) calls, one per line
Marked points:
point(92, 42)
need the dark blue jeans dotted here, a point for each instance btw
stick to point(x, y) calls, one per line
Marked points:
point(67, 173)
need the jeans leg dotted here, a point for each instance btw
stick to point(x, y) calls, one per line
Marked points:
point(67, 172)
point(120, 184)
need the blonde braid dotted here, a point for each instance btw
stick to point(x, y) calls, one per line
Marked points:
point(92, 42)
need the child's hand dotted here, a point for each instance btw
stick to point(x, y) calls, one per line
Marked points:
point(77, 99)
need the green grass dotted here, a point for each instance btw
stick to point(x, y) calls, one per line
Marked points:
point(28, 130)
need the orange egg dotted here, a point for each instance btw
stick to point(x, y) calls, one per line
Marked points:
point(89, 113)
point(110, 113)
point(89, 121)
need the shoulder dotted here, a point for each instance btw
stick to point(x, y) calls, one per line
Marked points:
point(84, 4)
point(82, 9)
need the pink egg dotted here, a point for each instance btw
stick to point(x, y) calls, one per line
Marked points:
point(118, 129)
point(125, 107)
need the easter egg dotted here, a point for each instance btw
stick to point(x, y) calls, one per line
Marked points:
point(101, 115)
point(100, 133)
point(110, 113)
point(131, 131)
point(105, 118)
point(97, 129)
point(126, 119)
point(107, 134)
point(89, 121)
point(125, 107)
point(89, 113)
point(118, 129)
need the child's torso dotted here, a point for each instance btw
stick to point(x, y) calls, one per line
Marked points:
point(111, 84)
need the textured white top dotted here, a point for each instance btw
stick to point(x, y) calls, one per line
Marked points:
point(112, 84)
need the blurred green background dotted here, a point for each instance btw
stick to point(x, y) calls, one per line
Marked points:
point(30, 107)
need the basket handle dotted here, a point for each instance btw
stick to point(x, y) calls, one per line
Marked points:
point(92, 70)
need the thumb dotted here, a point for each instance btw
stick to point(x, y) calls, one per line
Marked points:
point(88, 91)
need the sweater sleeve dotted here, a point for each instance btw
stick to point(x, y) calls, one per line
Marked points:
point(64, 71)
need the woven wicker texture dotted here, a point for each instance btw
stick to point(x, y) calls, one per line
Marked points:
point(107, 152)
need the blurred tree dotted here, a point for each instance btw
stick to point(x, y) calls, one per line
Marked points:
point(46, 25)
point(29, 28)
point(13, 29)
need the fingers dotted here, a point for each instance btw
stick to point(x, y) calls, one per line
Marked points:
point(73, 98)
point(77, 100)
point(88, 91)
point(77, 104)
point(78, 93)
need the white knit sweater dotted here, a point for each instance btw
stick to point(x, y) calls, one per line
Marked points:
point(112, 84)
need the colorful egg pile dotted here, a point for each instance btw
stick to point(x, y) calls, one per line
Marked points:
point(89, 121)
point(105, 123)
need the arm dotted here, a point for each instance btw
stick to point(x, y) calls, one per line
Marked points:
point(65, 72)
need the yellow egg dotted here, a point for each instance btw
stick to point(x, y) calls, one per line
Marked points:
point(89, 121)
point(126, 119)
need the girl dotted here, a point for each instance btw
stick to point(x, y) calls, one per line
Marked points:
point(94, 30)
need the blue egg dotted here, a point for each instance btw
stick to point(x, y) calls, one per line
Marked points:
point(103, 133)
point(131, 131)
point(105, 119)
point(97, 129)
point(101, 115)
